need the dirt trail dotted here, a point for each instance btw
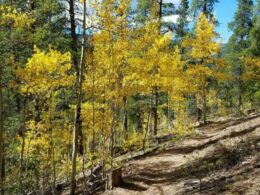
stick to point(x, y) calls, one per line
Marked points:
point(181, 168)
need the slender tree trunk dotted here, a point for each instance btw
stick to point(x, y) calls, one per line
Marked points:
point(52, 151)
point(155, 112)
point(21, 164)
point(205, 8)
point(204, 106)
point(67, 164)
point(240, 101)
point(103, 139)
point(125, 120)
point(22, 146)
point(160, 9)
point(93, 104)
point(37, 119)
point(148, 124)
point(103, 152)
point(240, 89)
point(169, 114)
point(1, 135)
point(32, 7)
point(83, 171)
point(77, 120)
point(53, 163)
point(75, 147)
point(156, 94)
point(112, 142)
point(74, 47)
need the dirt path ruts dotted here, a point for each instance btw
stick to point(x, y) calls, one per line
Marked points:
point(154, 174)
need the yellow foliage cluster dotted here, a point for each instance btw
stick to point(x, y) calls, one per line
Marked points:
point(203, 45)
point(252, 68)
point(18, 19)
point(45, 72)
point(204, 61)
point(120, 63)
point(134, 139)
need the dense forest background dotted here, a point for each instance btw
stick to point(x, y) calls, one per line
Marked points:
point(82, 82)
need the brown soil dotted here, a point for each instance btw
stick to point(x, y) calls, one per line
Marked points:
point(180, 168)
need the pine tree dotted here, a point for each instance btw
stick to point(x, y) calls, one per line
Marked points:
point(10, 20)
point(255, 32)
point(205, 6)
point(252, 61)
point(50, 20)
point(182, 21)
point(239, 44)
point(77, 127)
point(143, 11)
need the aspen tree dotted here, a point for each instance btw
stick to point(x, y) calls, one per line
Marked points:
point(8, 15)
point(203, 49)
point(43, 75)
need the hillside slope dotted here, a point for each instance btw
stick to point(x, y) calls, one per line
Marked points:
point(223, 160)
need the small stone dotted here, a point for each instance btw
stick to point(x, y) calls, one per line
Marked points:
point(258, 145)
point(250, 168)
point(192, 182)
point(211, 181)
point(221, 119)
point(257, 165)
point(198, 132)
point(219, 177)
point(197, 124)
point(189, 188)
point(245, 163)
point(229, 180)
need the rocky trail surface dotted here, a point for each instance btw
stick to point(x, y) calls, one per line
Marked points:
point(224, 159)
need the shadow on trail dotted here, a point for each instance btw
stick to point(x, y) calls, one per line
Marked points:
point(131, 186)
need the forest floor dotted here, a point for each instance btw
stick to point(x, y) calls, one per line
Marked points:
point(223, 158)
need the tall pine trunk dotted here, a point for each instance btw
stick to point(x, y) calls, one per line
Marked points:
point(77, 119)
point(73, 35)
point(156, 93)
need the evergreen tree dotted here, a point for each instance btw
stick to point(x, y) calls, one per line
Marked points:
point(252, 62)
point(205, 6)
point(238, 45)
point(143, 11)
point(127, 87)
point(50, 23)
point(167, 9)
point(182, 21)
point(255, 32)
point(242, 23)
